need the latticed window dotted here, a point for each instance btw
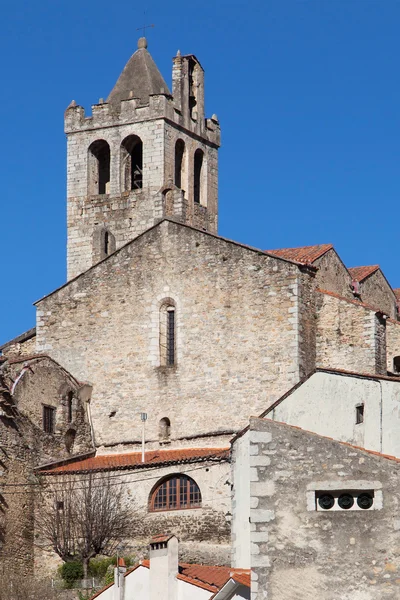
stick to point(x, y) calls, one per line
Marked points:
point(176, 493)
point(49, 419)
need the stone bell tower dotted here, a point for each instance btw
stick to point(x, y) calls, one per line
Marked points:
point(143, 155)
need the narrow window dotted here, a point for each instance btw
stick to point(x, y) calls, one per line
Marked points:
point(99, 167)
point(106, 243)
point(175, 493)
point(179, 164)
point(396, 364)
point(167, 334)
point(132, 163)
point(164, 429)
point(49, 413)
point(170, 336)
point(69, 406)
point(197, 183)
point(69, 440)
point(359, 414)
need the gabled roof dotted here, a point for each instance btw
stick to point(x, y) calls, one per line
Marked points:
point(361, 273)
point(304, 254)
point(133, 460)
point(210, 578)
point(139, 79)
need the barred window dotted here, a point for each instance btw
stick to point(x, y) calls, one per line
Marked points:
point(49, 419)
point(175, 493)
point(168, 334)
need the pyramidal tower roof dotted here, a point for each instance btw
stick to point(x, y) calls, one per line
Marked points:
point(139, 79)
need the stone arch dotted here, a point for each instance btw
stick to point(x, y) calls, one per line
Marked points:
point(180, 165)
point(167, 333)
point(199, 177)
point(131, 163)
point(99, 157)
point(164, 429)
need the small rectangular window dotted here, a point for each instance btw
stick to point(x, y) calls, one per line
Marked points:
point(359, 414)
point(49, 414)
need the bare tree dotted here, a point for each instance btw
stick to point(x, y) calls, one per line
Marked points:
point(82, 516)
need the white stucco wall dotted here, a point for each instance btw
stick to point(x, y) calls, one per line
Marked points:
point(326, 404)
point(241, 503)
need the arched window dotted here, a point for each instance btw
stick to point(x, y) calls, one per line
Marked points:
point(131, 163)
point(177, 492)
point(198, 176)
point(168, 334)
point(70, 397)
point(180, 175)
point(164, 432)
point(99, 167)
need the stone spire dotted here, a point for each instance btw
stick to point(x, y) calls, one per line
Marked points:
point(139, 79)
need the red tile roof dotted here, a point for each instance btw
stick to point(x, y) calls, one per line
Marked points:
point(207, 577)
point(133, 460)
point(361, 273)
point(304, 254)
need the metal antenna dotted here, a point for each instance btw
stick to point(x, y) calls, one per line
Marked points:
point(144, 29)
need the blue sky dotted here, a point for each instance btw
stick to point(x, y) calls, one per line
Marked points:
point(307, 93)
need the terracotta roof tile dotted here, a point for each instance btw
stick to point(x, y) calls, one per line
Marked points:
point(210, 578)
point(132, 460)
point(304, 254)
point(214, 577)
point(361, 273)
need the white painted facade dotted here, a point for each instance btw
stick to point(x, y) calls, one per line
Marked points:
point(326, 404)
point(241, 503)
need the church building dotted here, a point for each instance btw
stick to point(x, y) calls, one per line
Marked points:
point(167, 337)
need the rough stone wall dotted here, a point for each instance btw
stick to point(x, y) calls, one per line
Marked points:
point(305, 319)
point(332, 274)
point(204, 533)
point(347, 336)
point(237, 345)
point(299, 552)
point(23, 348)
point(40, 382)
point(23, 445)
point(392, 342)
point(201, 216)
point(127, 214)
point(376, 291)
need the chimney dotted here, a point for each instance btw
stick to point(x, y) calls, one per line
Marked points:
point(163, 567)
point(119, 580)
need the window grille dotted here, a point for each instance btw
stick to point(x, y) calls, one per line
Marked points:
point(176, 493)
point(170, 337)
point(49, 414)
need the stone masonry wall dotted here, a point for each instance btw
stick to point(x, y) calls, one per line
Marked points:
point(332, 274)
point(299, 552)
point(237, 345)
point(204, 533)
point(392, 342)
point(376, 291)
point(347, 336)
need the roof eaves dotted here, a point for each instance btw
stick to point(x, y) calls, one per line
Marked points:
point(206, 233)
point(331, 439)
point(23, 337)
